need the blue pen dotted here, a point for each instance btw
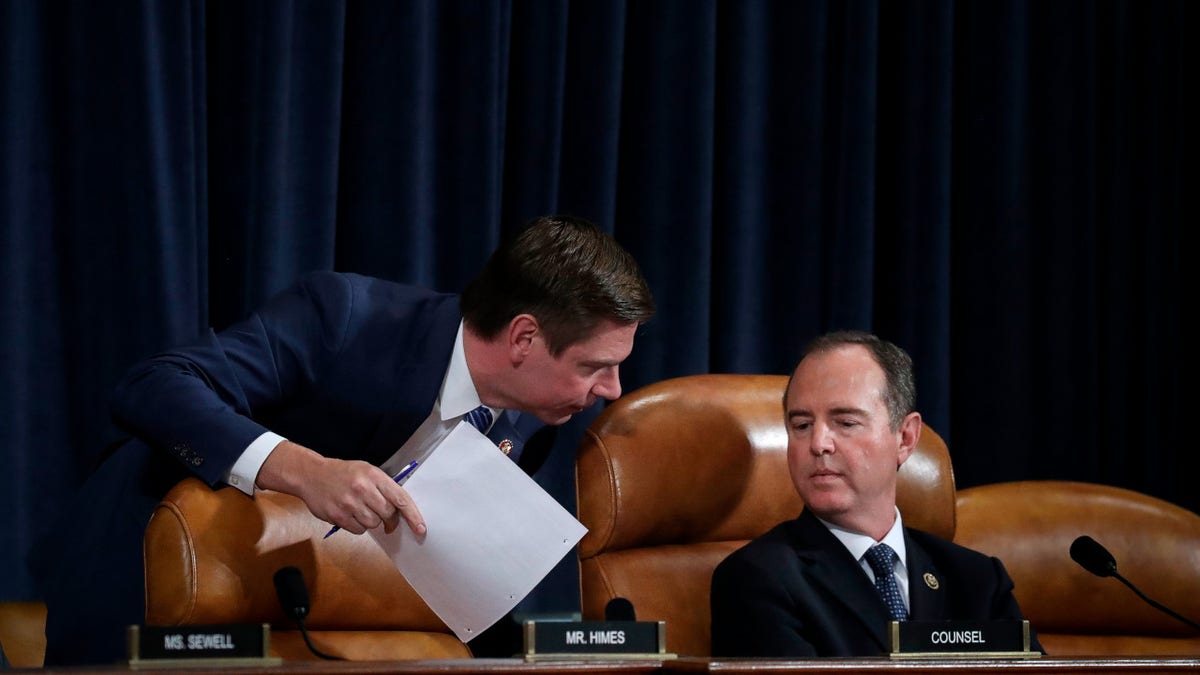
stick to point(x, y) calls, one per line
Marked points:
point(399, 477)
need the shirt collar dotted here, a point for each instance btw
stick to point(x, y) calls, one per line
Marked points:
point(858, 544)
point(458, 395)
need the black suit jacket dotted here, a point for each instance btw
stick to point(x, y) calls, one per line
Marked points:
point(796, 591)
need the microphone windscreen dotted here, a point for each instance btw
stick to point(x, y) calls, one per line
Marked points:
point(619, 609)
point(293, 594)
point(1093, 557)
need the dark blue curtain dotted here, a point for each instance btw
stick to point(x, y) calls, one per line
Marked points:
point(999, 187)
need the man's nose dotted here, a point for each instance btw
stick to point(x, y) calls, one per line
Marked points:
point(608, 386)
point(822, 440)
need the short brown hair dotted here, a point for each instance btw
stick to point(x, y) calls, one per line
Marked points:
point(900, 387)
point(566, 272)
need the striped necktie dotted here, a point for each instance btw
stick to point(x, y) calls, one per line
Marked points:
point(481, 418)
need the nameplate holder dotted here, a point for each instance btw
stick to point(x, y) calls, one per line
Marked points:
point(213, 645)
point(547, 640)
point(961, 639)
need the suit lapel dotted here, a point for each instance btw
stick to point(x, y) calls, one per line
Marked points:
point(531, 439)
point(827, 564)
point(926, 594)
point(510, 427)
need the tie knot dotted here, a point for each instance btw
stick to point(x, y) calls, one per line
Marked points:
point(480, 418)
point(882, 560)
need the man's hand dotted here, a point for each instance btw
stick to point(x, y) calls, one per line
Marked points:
point(354, 495)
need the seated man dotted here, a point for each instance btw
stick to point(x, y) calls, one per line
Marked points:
point(807, 586)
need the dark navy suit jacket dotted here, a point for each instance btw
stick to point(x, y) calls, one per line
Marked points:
point(796, 591)
point(344, 364)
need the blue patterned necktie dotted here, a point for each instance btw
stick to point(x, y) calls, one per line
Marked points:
point(480, 418)
point(882, 558)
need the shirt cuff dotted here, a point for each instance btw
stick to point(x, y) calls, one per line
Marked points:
point(245, 469)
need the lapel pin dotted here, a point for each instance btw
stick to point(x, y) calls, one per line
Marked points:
point(931, 581)
point(506, 446)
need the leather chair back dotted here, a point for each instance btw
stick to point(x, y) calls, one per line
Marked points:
point(211, 557)
point(23, 632)
point(1030, 525)
point(675, 476)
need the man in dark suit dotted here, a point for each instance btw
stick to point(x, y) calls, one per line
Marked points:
point(808, 586)
point(321, 394)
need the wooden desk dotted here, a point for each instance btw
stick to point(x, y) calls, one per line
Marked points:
point(687, 665)
point(411, 667)
point(880, 666)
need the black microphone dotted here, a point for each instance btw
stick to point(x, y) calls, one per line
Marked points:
point(293, 597)
point(1096, 559)
point(1093, 557)
point(292, 592)
point(619, 609)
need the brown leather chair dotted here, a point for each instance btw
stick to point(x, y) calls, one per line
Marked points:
point(23, 633)
point(673, 477)
point(211, 557)
point(1030, 525)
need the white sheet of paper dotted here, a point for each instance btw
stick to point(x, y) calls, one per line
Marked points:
point(492, 533)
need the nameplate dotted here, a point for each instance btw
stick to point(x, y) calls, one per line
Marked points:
point(595, 639)
point(224, 645)
point(943, 639)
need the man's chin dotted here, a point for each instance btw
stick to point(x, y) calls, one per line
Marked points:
point(826, 505)
point(558, 415)
point(556, 419)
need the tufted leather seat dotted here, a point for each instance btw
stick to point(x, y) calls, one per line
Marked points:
point(1030, 525)
point(673, 477)
point(23, 632)
point(211, 557)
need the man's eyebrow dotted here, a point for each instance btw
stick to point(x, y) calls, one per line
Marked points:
point(848, 410)
point(843, 410)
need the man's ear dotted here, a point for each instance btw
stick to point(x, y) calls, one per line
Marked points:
point(523, 329)
point(910, 433)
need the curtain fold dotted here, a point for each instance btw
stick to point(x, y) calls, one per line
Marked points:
point(1001, 188)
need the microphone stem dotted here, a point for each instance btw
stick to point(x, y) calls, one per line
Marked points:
point(1155, 605)
point(311, 646)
